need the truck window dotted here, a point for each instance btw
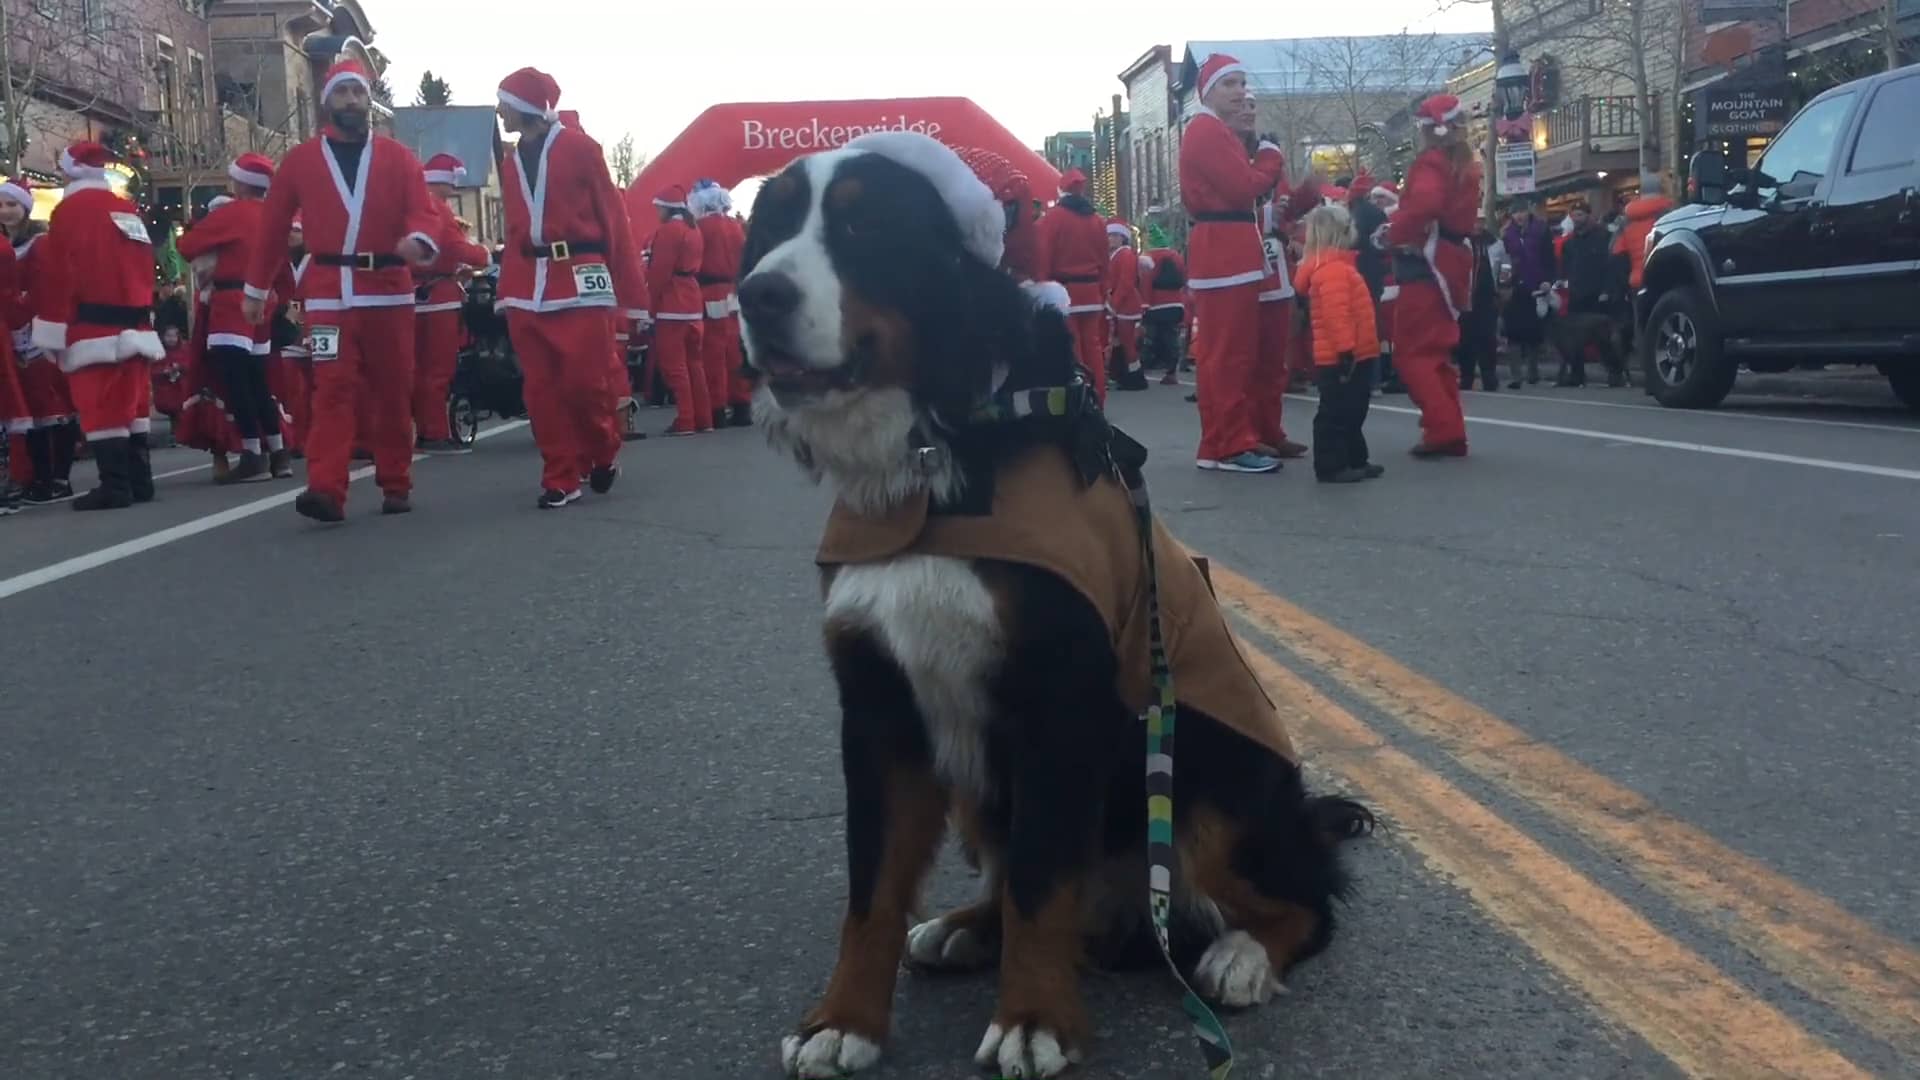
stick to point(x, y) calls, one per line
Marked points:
point(1800, 153)
point(1890, 135)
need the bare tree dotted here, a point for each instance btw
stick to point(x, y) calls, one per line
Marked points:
point(1366, 86)
point(624, 162)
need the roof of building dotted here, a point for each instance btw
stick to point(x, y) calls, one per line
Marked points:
point(468, 132)
point(1159, 54)
point(1383, 62)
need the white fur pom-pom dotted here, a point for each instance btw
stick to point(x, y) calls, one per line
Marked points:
point(1146, 263)
point(1048, 294)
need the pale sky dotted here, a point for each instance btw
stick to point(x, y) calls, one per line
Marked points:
point(1036, 67)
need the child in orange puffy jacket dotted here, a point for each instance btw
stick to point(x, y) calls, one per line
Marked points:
point(1346, 342)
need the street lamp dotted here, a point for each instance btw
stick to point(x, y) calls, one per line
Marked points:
point(1512, 86)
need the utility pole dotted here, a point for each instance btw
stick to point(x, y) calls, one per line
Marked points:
point(1890, 27)
point(1491, 151)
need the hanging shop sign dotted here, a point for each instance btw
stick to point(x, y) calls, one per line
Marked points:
point(1742, 112)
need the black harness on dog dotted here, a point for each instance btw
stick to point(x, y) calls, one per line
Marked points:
point(1073, 416)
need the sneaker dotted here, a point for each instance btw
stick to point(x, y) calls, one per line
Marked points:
point(675, 430)
point(1344, 476)
point(47, 492)
point(1290, 449)
point(602, 478)
point(444, 446)
point(319, 507)
point(396, 504)
point(1457, 448)
point(1247, 462)
point(1374, 472)
point(9, 503)
point(554, 500)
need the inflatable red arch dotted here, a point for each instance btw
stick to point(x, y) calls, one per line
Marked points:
point(732, 143)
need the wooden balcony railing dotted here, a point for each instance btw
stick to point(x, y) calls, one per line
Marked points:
point(1587, 120)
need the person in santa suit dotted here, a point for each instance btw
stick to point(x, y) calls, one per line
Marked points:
point(1271, 376)
point(1165, 285)
point(93, 308)
point(1125, 304)
point(568, 270)
point(289, 370)
point(236, 348)
point(367, 215)
point(16, 414)
point(617, 370)
point(1224, 171)
point(438, 292)
point(673, 266)
point(1014, 192)
point(721, 239)
point(42, 458)
point(1431, 234)
point(1070, 248)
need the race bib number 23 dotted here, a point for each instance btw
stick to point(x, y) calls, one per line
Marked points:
point(323, 342)
point(591, 281)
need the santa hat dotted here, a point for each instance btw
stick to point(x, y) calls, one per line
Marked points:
point(253, 170)
point(1362, 184)
point(1146, 265)
point(217, 202)
point(708, 198)
point(346, 71)
point(1217, 67)
point(531, 91)
point(1438, 112)
point(445, 169)
point(1386, 192)
point(295, 225)
point(671, 197)
point(18, 191)
point(1074, 183)
point(1119, 227)
point(85, 161)
point(981, 218)
point(1002, 177)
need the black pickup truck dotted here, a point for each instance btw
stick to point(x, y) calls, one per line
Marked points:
point(1811, 255)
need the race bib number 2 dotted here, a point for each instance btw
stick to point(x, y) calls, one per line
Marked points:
point(591, 281)
point(323, 342)
point(1271, 245)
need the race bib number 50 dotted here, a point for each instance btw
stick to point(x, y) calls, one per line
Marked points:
point(323, 342)
point(592, 281)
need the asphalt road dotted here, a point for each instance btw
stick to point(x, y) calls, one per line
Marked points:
point(490, 791)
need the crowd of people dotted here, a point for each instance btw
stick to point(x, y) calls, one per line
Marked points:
point(326, 318)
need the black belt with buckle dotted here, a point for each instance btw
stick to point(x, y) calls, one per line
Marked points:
point(123, 316)
point(563, 250)
point(713, 279)
point(220, 285)
point(1222, 216)
point(1076, 279)
point(361, 260)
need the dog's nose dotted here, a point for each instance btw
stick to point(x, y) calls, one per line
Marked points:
point(769, 295)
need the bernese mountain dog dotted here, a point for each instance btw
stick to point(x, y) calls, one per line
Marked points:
point(979, 692)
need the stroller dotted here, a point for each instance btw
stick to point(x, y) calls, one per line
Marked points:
point(486, 380)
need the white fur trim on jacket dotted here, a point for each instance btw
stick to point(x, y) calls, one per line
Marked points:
point(49, 335)
point(1048, 294)
point(244, 176)
point(124, 345)
point(982, 220)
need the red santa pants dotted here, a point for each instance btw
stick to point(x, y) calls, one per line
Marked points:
point(1424, 334)
point(436, 350)
point(1126, 337)
point(290, 379)
point(373, 370)
point(676, 346)
point(563, 358)
point(113, 400)
point(719, 343)
point(1227, 361)
point(45, 386)
point(1272, 376)
point(1088, 329)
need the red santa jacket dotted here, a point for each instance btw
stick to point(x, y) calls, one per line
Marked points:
point(435, 287)
point(568, 241)
point(359, 224)
point(1431, 230)
point(1123, 284)
point(1218, 188)
point(721, 239)
point(93, 280)
point(1161, 297)
point(228, 233)
point(1070, 247)
point(19, 308)
point(1277, 217)
point(673, 263)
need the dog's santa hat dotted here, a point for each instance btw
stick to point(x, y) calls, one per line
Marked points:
point(531, 91)
point(85, 161)
point(445, 169)
point(1217, 67)
point(253, 170)
point(346, 71)
point(981, 219)
point(1119, 227)
point(671, 197)
point(1438, 113)
point(19, 191)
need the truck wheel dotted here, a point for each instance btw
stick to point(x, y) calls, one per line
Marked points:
point(1680, 353)
point(1905, 380)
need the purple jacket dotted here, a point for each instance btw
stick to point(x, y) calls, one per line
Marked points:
point(1531, 254)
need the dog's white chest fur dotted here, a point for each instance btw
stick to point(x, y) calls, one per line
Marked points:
point(937, 621)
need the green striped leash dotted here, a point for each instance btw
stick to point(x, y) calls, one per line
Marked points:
point(1099, 448)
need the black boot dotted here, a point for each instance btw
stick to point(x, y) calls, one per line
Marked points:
point(62, 441)
point(252, 466)
point(742, 416)
point(114, 492)
point(40, 454)
point(139, 468)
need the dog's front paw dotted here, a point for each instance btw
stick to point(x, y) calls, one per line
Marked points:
point(1023, 1051)
point(948, 944)
point(827, 1053)
point(1237, 972)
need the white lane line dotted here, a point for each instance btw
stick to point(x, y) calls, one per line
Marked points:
point(80, 564)
point(182, 472)
point(1692, 447)
point(1515, 395)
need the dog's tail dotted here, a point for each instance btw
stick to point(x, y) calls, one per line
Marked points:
point(1336, 819)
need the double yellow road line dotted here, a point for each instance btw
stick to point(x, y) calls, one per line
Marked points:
point(1705, 1021)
